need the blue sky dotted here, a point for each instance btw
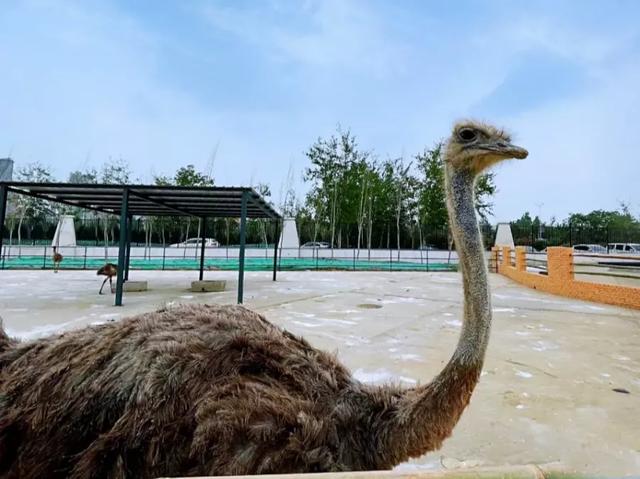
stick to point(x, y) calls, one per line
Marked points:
point(162, 84)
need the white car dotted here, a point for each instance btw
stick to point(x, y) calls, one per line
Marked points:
point(195, 243)
point(589, 248)
point(624, 248)
point(315, 245)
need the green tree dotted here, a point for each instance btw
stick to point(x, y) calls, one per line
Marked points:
point(90, 175)
point(113, 172)
point(161, 180)
point(164, 223)
point(399, 181)
point(336, 175)
point(599, 219)
point(431, 200)
point(22, 206)
point(263, 190)
point(289, 202)
point(116, 172)
point(525, 228)
point(603, 226)
point(485, 189)
point(87, 176)
point(524, 222)
point(432, 204)
point(188, 176)
point(353, 196)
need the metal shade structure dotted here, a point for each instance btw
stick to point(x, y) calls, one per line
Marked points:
point(127, 201)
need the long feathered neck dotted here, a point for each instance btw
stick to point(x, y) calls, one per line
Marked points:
point(476, 327)
point(425, 416)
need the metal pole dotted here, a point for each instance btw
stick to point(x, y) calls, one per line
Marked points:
point(275, 249)
point(532, 236)
point(203, 222)
point(570, 234)
point(243, 234)
point(122, 246)
point(3, 212)
point(427, 258)
point(126, 270)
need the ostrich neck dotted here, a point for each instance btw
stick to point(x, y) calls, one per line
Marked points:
point(476, 326)
point(427, 415)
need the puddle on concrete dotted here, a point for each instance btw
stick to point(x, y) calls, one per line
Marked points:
point(621, 390)
point(369, 306)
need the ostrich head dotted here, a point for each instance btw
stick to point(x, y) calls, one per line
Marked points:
point(475, 146)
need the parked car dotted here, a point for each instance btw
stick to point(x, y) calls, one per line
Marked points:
point(316, 245)
point(589, 248)
point(624, 248)
point(195, 243)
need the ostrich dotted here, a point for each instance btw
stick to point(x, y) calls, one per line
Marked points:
point(57, 259)
point(211, 389)
point(109, 270)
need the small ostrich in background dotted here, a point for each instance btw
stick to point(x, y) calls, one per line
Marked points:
point(109, 270)
point(57, 259)
point(218, 390)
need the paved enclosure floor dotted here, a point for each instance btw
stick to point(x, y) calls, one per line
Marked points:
point(546, 393)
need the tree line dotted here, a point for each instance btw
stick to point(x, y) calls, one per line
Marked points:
point(596, 227)
point(355, 199)
point(37, 219)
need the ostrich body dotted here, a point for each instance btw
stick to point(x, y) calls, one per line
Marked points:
point(109, 270)
point(57, 259)
point(200, 389)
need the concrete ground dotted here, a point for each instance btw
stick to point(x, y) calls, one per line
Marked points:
point(546, 393)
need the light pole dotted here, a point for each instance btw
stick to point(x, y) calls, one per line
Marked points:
point(540, 205)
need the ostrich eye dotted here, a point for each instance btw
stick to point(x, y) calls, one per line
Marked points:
point(467, 134)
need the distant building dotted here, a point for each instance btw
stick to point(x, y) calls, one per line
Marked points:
point(289, 240)
point(504, 236)
point(6, 174)
point(6, 169)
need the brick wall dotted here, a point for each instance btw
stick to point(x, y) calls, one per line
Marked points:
point(560, 279)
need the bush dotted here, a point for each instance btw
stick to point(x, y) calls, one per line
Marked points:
point(539, 244)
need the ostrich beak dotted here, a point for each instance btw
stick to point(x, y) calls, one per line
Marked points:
point(505, 149)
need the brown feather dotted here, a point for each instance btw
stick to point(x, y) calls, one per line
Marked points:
point(191, 390)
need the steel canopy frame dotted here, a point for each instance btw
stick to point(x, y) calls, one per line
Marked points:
point(213, 202)
point(127, 201)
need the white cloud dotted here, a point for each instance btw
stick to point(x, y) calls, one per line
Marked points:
point(80, 78)
point(85, 84)
point(581, 150)
point(581, 153)
point(334, 33)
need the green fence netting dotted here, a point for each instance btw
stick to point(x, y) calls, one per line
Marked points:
point(251, 264)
